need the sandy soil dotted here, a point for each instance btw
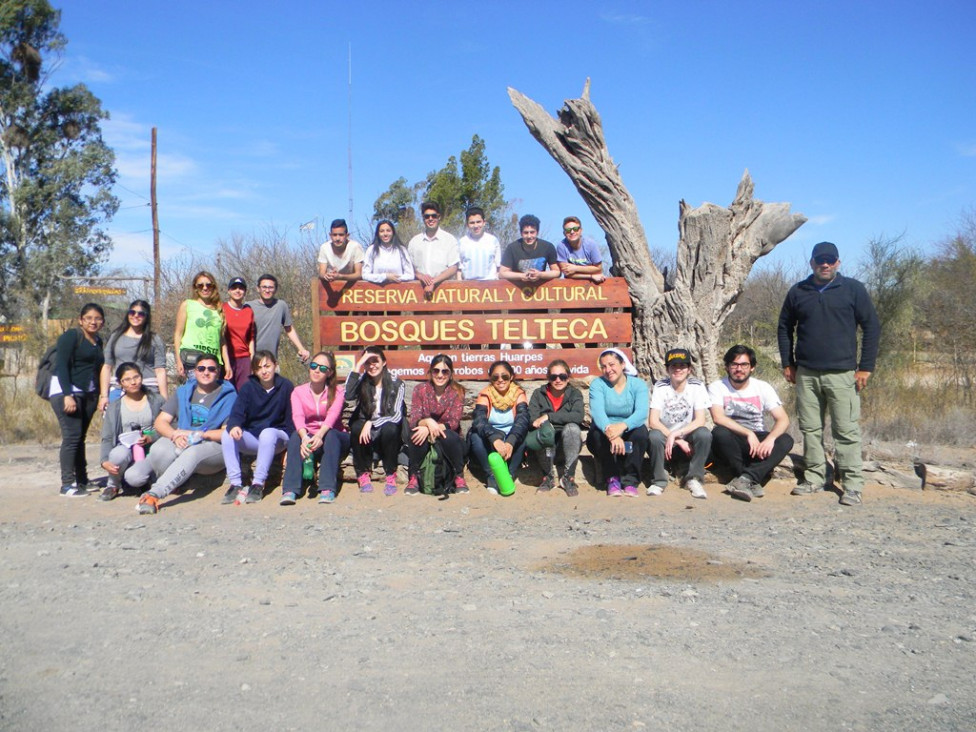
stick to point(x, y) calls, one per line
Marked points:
point(483, 613)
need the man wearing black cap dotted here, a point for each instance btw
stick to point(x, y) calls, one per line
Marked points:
point(818, 350)
point(240, 331)
point(677, 425)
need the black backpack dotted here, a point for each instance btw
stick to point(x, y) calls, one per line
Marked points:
point(45, 371)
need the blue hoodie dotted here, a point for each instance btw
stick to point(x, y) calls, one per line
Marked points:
point(256, 409)
point(219, 410)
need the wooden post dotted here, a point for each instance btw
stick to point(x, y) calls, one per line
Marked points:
point(155, 220)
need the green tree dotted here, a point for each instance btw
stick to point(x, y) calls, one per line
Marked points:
point(456, 186)
point(56, 172)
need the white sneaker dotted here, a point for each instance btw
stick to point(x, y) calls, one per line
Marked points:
point(654, 490)
point(697, 490)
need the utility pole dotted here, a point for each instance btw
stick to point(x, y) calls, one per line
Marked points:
point(349, 112)
point(155, 220)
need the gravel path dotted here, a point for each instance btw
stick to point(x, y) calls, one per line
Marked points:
point(482, 613)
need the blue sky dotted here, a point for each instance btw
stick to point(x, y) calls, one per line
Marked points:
point(862, 115)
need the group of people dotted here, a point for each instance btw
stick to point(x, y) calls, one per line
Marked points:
point(435, 256)
point(234, 403)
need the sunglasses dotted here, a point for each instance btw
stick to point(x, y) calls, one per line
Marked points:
point(571, 229)
point(446, 372)
point(206, 369)
point(558, 377)
point(500, 377)
point(204, 285)
point(826, 259)
point(431, 216)
point(323, 367)
point(138, 313)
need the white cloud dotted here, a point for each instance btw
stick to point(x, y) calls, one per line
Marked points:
point(821, 220)
point(625, 18)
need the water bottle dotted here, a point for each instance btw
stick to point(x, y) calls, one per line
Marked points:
point(628, 447)
point(195, 438)
point(308, 467)
point(138, 453)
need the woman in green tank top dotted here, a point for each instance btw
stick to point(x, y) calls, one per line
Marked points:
point(200, 326)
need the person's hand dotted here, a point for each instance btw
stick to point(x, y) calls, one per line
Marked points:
point(765, 448)
point(685, 446)
point(392, 277)
point(753, 444)
point(228, 372)
point(366, 436)
point(70, 407)
point(437, 430)
point(236, 432)
point(790, 374)
point(504, 449)
point(538, 422)
point(426, 280)
point(102, 402)
point(363, 360)
point(532, 275)
point(598, 278)
point(419, 434)
point(303, 355)
point(110, 468)
point(180, 439)
point(617, 446)
point(669, 446)
point(615, 430)
point(861, 379)
point(313, 443)
point(180, 369)
point(143, 440)
point(330, 273)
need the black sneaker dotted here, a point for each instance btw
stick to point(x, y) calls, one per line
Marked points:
point(741, 488)
point(73, 491)
point(546, 485)
point(255, 493)
point(231, 495)
point(569, 485)
point(110, 492)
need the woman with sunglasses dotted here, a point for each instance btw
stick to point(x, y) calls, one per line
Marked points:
point(436, 407)
point(260, 424)
point(134, 341)
point(134, 412)
point(200, 327)
point(73, 394)
point(316, 411)
point(377, 418)
point(559, 405)
point(619, 407)
point(386, 259)
point(501, 422)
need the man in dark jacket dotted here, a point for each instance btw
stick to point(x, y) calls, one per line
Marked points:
point(818, 350)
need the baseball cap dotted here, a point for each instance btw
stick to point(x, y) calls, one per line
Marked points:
point(237, 282)
point(677, 355)
point(825, 249)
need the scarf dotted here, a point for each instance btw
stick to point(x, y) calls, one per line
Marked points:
point(506, 401)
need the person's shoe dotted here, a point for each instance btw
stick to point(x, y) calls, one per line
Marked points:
point(655, 490)
point(413, 486)
point(391, 487)
point(74, 491)
point(231, 495)
point(110, 492)
point(805, 488)
point(148, 503)
point(547, 484)
point(569, 485)
point(613, 488)
point(757, 490)
point(851, 498)
point(696, 488)
point(365, 484)
point(491, 485)
point(631, 491)
point(255, 493)
point(740, 488)
point(326, 496)
point(287, 499)
point(460, 484)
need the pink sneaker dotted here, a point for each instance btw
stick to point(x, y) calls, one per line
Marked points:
point(613, 488)
point(391, 487)
point(365, 484)
point(630, 490)
point(460, 485)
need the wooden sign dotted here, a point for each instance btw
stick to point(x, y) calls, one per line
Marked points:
point(12, 334)
point(92, 290)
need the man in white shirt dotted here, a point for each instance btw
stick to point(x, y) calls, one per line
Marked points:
point(340, 258)
point(739, 437)
point(677, 425)
point(480, 251)
point(434, 252)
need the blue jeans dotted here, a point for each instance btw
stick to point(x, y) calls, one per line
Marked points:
point(335, 447)
point(479, 447)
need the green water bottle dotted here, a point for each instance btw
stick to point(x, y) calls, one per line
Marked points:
point(308, 467)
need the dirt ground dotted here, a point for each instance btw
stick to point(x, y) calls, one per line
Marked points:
point(485, 613)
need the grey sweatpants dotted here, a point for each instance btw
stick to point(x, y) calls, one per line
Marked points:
point(174, 466)
point(136, 474)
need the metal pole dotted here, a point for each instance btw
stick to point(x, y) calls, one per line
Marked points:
point(155, 220)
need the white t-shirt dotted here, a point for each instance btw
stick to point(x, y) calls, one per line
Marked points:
point(746, 406)
point(480, 257)
point(351, 255)
point(677, 410)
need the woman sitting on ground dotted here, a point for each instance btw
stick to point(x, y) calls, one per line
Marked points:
point(260, 423)
point(134, 412)
point(618, 438)
point(316, 410)
point(436, 407)
point(134, 341)
point(500, 423)
point(559, 405)
point(377, 419)
point(386, 258)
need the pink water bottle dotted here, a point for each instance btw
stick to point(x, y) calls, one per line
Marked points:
point(138, 452)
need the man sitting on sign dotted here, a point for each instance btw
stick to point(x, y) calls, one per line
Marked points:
point(529, 260)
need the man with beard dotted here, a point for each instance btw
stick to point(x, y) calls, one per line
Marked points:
point(739, 437)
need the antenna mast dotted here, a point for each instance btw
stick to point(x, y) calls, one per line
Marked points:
point(349, 106)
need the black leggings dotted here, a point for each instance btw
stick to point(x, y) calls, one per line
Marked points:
point(386, 440)
point(74, 428)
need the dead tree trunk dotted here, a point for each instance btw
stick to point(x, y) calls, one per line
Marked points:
point(717, 246)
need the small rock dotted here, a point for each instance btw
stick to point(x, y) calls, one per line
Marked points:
point(939, 699)
point(547, 595)
point(265, 601)
point(245, 687)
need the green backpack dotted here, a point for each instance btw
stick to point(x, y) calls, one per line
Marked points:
point(436, 473)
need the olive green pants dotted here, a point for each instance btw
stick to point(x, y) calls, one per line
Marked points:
point(822, 393)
